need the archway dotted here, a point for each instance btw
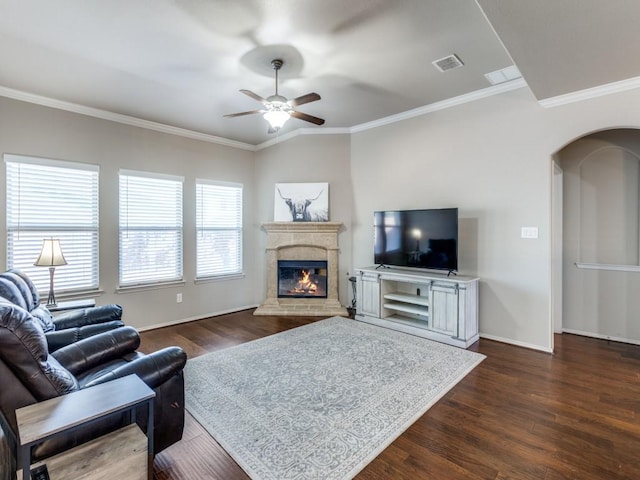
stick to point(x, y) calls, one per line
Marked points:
point(599, 250)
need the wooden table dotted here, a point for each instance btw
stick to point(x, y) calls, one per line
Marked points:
point(119, 453)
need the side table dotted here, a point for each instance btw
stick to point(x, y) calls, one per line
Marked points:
point(72, 305)
point(120, 453)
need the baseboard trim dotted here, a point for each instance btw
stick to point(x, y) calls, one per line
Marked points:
point(600, 336)
point(530, 346)
point(197, 317)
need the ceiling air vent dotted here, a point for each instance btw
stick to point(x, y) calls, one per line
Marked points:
point(448, 63)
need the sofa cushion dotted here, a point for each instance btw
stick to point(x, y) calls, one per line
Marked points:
point(23, 347)
point(43, 315)
point(18, 288)
point(92, 374)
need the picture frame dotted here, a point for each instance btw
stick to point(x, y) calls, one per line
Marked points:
point(301, 202)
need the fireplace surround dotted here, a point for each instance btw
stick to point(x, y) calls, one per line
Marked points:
point(296, 242)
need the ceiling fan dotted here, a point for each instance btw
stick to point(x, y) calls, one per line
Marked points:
point(277, 108)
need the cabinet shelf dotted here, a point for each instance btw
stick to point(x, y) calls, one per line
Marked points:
point(408, 298)
point(407, 308)
point(423, 324)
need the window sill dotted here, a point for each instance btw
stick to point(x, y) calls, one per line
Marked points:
point(154, 286)
point(219, 278)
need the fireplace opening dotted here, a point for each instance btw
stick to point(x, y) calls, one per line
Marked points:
point(302, 278)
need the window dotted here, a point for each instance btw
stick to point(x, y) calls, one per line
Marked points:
point(150, 228)
point(218, 229)
point(53, 199)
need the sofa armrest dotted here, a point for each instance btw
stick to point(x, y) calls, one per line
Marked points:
point(87, 316)
point(153, 369)
point(57, 339)
point(98, 349)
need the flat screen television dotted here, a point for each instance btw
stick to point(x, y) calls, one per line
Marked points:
point(417, 238)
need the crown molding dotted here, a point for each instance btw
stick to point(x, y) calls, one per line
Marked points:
point(160, 127)
point(588, 93)
point(120, 118)
point(443, 105)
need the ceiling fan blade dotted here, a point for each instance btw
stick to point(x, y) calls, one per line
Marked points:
point(239, 114)
point(255, 96)
point(308, 98)
point(307, 118)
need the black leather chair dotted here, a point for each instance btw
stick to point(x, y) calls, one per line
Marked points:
point(65, 328)
point(30, 373)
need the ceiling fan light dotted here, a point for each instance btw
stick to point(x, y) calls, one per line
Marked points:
point(276, 118)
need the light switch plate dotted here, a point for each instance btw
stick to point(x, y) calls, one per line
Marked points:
point(529, 232)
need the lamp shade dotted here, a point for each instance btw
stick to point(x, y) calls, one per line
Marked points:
point(51, 254)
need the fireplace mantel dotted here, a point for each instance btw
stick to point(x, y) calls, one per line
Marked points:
point(302, 241)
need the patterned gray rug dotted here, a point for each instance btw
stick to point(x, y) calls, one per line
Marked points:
point(319, 401)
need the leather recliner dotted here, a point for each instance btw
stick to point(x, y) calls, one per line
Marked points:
point(65, 328)
point(30, 373)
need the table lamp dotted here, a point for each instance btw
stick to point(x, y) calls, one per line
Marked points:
point(51, 256)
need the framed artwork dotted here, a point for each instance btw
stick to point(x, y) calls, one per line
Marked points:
point(301, 202)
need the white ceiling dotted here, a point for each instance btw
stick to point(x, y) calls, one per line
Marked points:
point(182, 62)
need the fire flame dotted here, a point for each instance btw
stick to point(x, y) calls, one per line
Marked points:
point(305, 285)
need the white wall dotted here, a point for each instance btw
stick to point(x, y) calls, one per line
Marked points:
point(492, 159)
point(45, 132)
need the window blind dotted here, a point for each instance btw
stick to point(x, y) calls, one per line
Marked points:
point(218, 229)
point(150, 228)
point(53, 199)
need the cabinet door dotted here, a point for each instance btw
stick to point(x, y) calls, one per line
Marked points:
point(444, 309)
point(368, 293)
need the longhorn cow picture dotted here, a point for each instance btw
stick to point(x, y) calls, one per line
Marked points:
point(301, 202)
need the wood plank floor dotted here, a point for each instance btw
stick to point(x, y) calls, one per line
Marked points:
point(520, 414)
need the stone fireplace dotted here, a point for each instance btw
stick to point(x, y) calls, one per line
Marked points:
point(294, 247)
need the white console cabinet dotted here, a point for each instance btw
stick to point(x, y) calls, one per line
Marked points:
point(430, 305)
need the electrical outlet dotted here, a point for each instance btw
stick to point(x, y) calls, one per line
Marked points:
point(178, 298)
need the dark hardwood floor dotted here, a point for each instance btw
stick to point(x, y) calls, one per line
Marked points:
point(520, 414)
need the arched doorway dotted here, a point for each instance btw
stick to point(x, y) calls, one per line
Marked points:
point(599, 246)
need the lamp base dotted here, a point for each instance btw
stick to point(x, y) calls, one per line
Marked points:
point(51, 299)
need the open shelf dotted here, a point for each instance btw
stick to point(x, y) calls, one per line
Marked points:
point(122, 454)
point(407, 308)
point(408, 298)
point(409, 321)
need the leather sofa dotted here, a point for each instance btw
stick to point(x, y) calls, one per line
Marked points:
point(65, 328)
point(31, 373)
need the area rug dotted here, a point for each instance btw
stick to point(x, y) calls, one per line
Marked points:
point(319, 401)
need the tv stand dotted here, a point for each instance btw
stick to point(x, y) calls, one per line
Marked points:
point(427, 304)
